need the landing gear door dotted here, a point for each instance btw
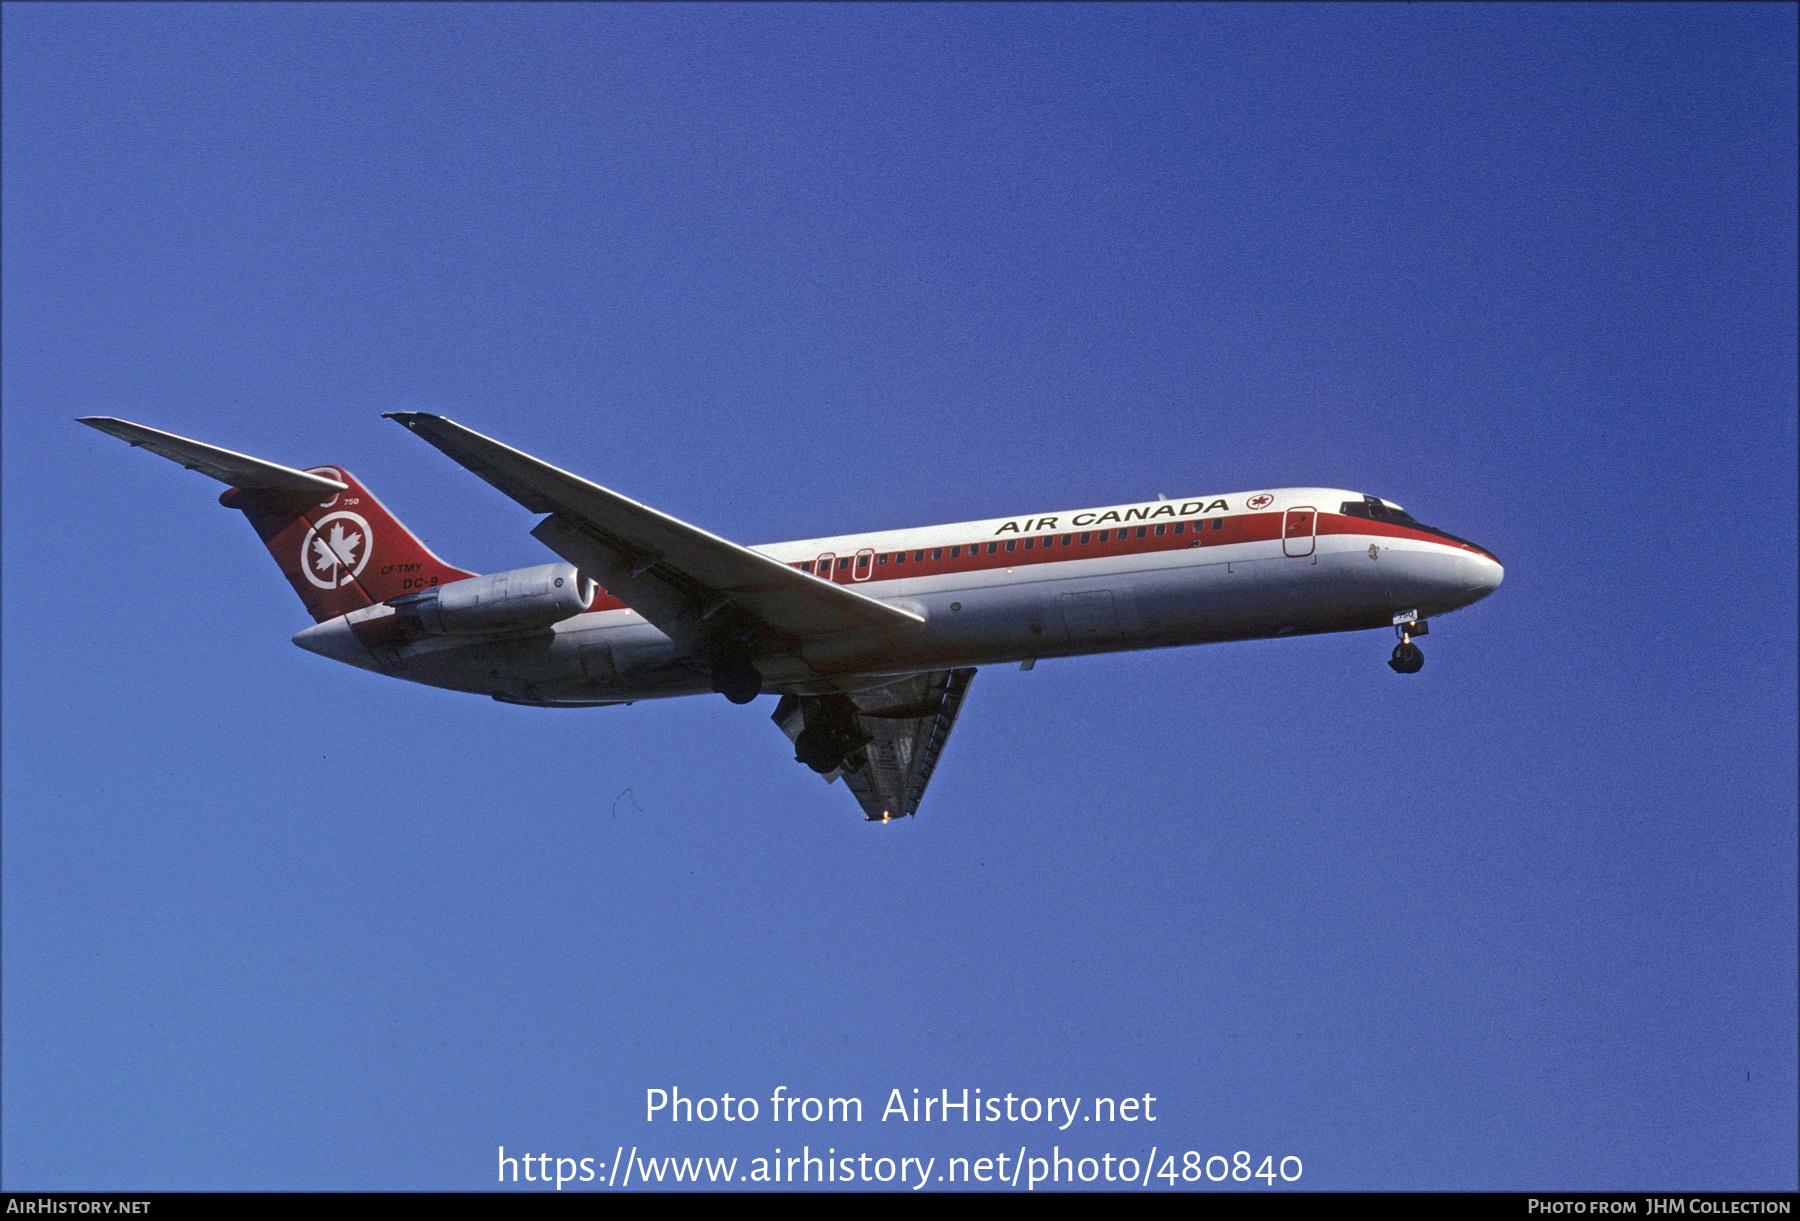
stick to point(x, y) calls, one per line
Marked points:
point(1297, 526)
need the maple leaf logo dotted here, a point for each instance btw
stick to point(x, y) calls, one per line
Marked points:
point(342, 549)
point(335, 550)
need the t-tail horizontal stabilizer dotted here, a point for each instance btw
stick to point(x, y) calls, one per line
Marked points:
point(322, 526)
point(239, 470)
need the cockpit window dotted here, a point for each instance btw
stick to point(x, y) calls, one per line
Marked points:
point(1374, 508)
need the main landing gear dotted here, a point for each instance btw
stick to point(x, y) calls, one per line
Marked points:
point(736, 679)
point(832, 736)
point(815, 749)
point(1408, 658)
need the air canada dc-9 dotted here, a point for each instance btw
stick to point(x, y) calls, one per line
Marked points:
point(869, 641)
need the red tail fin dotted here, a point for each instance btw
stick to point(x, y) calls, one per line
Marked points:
point(340, 554)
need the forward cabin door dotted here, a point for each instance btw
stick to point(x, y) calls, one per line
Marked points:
point(1297, 526)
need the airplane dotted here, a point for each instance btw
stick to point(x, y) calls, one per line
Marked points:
point(869, 640)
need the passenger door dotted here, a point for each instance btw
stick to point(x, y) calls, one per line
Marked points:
point(1297, 526)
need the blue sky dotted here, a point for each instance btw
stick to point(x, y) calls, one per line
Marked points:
point(1526, 920)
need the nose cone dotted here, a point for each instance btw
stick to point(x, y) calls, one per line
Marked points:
point(1481, 576)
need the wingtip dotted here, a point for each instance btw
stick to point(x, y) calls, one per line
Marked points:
point(410, 419)
point(112, 426)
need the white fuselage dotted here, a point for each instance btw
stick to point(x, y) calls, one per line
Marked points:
point(1241, 566)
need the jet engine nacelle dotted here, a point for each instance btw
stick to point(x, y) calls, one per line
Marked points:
point(499, 602)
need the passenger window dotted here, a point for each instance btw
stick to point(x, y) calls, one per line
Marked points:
point(918, 557)
point(899, 557)
point(993, 547)
point(1159, 531)
point(1067, 539)
point(955, 552)
point(1141, 530)
point(881, 559)
point(843, 563)
point(1029, 543)
point(1085, 536)
point(1218, 523)
point(1181, 527)
point(1011, 543)
point(937, 553)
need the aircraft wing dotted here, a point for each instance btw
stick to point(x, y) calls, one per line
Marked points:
point(239, 470)
point(676, 575)
point(904, 724)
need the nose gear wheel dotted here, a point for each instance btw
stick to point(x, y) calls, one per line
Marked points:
point(1408, 658)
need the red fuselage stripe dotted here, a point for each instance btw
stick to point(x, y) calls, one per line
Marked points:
point(1120, 542)
point(1050, 549)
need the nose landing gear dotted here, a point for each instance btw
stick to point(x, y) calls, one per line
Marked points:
point(1408, 658)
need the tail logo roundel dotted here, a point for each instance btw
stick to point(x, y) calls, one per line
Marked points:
point(330, 472)
point(336, 550)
